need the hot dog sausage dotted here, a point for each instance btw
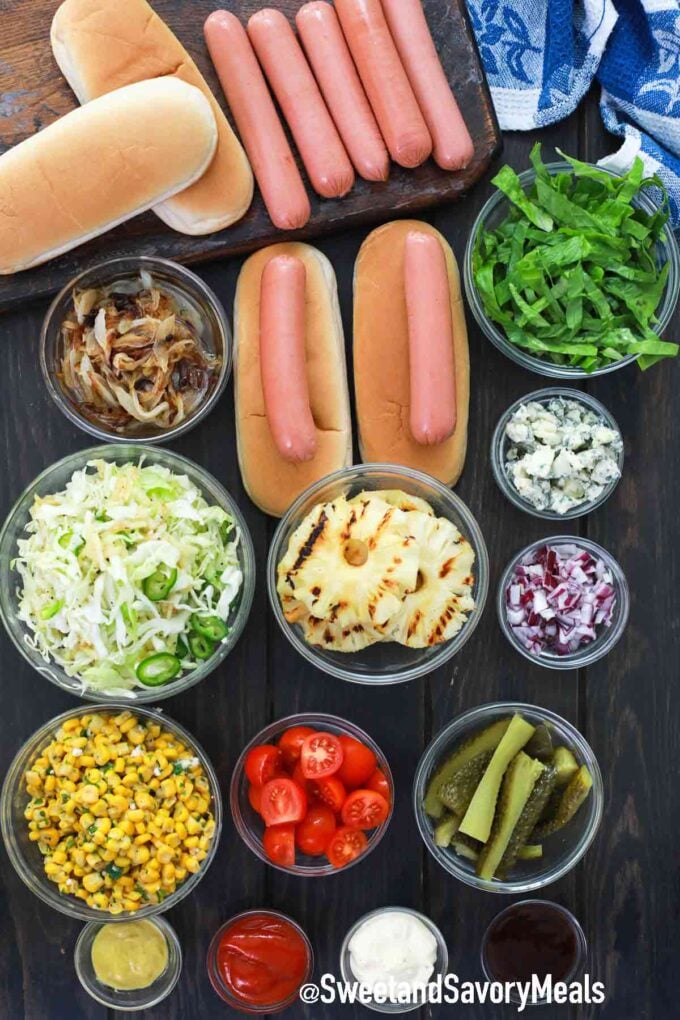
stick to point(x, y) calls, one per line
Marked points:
point(282, 358)
point(430, 335)
point(453, 147)
point(264, 139)
point(338, 80)
point(385, 81)
point(293, 84)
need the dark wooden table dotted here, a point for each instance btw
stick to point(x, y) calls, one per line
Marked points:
point(625, 892)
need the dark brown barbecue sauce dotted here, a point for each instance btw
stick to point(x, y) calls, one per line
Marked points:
point(532, 938)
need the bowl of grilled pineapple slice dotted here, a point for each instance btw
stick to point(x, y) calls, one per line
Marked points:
point(508, 797)
point(378, 574)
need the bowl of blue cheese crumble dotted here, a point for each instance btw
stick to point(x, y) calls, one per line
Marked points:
point(557, 454)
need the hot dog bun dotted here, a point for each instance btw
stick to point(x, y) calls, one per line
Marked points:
point(101, 45)
point(99, 165)
point(381, 357)
point(271, 481)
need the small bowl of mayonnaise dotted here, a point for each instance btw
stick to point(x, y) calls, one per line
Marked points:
point(128, 965)
point(394, 954)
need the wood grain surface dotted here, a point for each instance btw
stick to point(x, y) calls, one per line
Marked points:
point(33, 93)
point(625, 891)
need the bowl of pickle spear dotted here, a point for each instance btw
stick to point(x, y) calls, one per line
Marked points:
point(508, 797)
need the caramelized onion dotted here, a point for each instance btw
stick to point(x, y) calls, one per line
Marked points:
point(132, 354)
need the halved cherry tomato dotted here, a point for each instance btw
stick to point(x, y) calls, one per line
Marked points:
point(358, 762)
point(378, 782)
point(255, 798)
point(330, 791)
point(290, 743)
point(365, 809)
point(314, 832)
point(321, 755)
point(345, 846)
point(283, 801)
point(278, 842)
point(263, 763)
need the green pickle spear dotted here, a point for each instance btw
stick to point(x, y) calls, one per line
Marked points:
point(479, 816)
point(534, 807)
point(573, 797)
point(518, 783)
point(487, 740)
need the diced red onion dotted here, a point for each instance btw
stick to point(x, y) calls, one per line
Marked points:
point(557, 600)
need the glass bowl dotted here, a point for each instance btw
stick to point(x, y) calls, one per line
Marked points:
point(385, 662)
point(440, 968)
point(492, 214)
point(128, 1001)
point(53, 479)
point(177, 280)
point(25, 855)
point(500, 443)
point(562, 850)
point(579, 936)
point(225, 992)
point(607, 636)
point(248, 823)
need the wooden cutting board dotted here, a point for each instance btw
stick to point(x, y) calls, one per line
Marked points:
point(33, 93)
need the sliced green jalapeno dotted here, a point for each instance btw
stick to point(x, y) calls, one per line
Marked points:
point(158, 669)
point(210, 627)
point(158, 585)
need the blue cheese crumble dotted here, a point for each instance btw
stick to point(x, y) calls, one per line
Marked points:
point(560, 454)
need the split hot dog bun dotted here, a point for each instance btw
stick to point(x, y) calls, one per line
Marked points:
point(99, 165)
point(272, 478)
point(383, 373)
point(101, 45)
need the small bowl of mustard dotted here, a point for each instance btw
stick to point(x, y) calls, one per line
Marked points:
point(129, 966)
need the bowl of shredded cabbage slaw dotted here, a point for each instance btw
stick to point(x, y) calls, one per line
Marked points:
point(125, 573)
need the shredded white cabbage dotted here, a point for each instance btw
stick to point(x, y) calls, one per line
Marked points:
point(89, 551)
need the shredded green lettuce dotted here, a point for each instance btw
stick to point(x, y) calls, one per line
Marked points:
point(89, 551)
point(572, 274)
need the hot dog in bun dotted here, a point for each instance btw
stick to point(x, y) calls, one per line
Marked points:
point(411, 364)
point(292, 402)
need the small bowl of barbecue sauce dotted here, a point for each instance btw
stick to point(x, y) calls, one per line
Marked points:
point(534, 941)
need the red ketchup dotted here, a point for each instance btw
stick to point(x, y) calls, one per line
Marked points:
point(259, 961)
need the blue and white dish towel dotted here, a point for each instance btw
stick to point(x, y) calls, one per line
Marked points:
point(541, 56)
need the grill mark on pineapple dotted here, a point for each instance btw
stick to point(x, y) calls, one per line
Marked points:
point(413, 625)
point(347, 532)
point(335, 610)
point(447, 567)
point(308, 546)
point(382, 525)
point(437, 635)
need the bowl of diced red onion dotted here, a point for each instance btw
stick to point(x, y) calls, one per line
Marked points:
point(563, 602)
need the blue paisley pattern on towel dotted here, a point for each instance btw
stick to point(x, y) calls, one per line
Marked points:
point(542, 56)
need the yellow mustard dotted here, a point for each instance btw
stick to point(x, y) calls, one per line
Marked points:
point(130, 955)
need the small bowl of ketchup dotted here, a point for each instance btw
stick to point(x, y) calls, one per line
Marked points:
point(259, 960)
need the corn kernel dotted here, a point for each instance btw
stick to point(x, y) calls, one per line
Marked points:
point(93, 882)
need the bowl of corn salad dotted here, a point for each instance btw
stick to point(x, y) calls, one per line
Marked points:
point(108, 812)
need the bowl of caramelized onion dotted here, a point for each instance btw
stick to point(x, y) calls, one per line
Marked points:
point(136, 350)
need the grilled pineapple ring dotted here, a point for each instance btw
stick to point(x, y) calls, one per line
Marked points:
point(438, 607)
point(350, 563)
point(378, 567)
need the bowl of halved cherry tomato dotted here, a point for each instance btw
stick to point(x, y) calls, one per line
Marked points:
point(312, 794)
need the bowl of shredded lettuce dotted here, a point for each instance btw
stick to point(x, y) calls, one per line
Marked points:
point(573, 271)
point(125, 573)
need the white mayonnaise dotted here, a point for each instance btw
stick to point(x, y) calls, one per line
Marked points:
point(393, 947)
